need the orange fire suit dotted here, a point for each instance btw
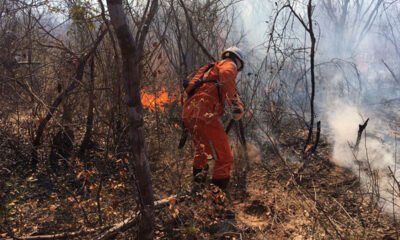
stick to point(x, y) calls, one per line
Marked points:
point(202, 113)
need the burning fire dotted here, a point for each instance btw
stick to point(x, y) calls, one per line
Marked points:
point(156, 101)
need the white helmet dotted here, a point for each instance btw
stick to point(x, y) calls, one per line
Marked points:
point(238, 54)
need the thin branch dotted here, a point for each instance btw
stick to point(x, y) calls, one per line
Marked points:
point(190, 23)
point(146, 26)
point(391, 72)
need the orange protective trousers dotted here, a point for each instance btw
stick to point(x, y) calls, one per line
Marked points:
point(209, 139)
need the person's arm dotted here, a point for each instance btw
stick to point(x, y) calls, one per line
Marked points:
point(227, 76)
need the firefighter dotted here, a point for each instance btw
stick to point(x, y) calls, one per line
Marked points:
point(208, 91)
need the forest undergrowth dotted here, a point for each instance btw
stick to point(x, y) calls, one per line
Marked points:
point(280, 195)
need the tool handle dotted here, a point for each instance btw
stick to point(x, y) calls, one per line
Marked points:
point(229, 126)
point(241, 134)
point(184, 137)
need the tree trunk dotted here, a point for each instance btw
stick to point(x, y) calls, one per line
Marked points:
point(312, 68)
point(132, 53)
point(85, 145)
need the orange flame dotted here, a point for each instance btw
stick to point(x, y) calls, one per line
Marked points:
point(156, 101)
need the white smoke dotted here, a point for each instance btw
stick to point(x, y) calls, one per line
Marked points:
point(353, 96)
point(343, 121)
point(349, 90)
point(374, 157)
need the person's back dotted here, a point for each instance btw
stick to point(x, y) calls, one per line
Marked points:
point(219, 87)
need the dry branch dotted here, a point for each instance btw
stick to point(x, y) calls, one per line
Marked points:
point(63, 235)
point(391, 72)
point(193, 34)
point(119, 227)
point(111, 231)
point(56, 103)
point(394, 178)
point(130, 222)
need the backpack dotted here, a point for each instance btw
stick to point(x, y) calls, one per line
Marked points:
point(196, 82)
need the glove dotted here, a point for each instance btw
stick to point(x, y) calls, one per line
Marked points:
point(237, 112)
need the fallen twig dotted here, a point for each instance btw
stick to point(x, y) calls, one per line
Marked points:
point(119, 227)
point(64, 235)
point(108, 232)
point(130, 222)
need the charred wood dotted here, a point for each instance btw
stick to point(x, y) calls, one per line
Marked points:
point(361, 128)
point(318, 135)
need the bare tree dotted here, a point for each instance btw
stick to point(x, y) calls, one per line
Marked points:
point(308, 27)
point(132, 51)
point(352, 20)
point(306, 23)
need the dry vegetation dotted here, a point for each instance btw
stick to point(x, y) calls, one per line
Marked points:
point(71, 147)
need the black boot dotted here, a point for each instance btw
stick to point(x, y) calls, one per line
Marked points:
point(199, 178)
point(200, 174)
point(221, 183)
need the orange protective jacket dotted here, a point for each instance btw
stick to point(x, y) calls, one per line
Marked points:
point(207, 104)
